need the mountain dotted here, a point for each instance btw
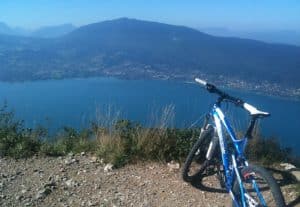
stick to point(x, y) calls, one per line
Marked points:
point(42, 32)
point(53, 31)
point(131, 48)
point(291, 37)
point(5, 29)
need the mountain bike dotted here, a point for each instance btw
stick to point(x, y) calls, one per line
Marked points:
point(248, 185)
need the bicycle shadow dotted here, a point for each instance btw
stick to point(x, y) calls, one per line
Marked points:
point(198, 183)
point(286, 179)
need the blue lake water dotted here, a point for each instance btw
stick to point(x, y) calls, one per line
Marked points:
point(76, 102)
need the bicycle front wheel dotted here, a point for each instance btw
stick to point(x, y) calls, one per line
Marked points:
point(196, 161)
point(260, 188)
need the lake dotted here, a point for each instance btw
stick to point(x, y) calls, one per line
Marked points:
point(77, 102)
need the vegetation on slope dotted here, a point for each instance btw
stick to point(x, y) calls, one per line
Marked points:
point(122, 142)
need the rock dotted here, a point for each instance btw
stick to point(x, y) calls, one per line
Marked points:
point(43, 193)
point(51, 184)
point(70, 161)
point(71, 183)
point(27, 204)
point(38, 171)
point(71, 154)
point(90, 203)
point(94, 159)
point(287, 166)
point(19, 197)
point(173, 165)
point(23, 191)
point(108, 167)
point(3, 175)
point(296, 174)
point(12, 178)
point(62, 169)
point(82, 153)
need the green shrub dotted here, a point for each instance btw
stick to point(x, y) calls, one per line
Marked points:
point(16, 140)
point(129, 141)
point(69, 140)
point(267, 151)
point(112, 150)
point(123, 142)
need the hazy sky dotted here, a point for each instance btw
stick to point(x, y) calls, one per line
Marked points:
point(232, 14)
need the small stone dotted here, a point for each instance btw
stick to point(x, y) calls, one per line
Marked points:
point(94, 159)
point(43, 193)
point(108, 167)
point(71, 183)
point(3, 175)
point(173, 165)
point(296, 174)
point(23, 191)
point(27, 201)
point(38, 171)
point(90, 203)
point(62, 169)
point(288, 166)
point(70, 161)
point(50, 184)
point(82, 153)
point(71, 154)
point(12, 178)
point(19, 197)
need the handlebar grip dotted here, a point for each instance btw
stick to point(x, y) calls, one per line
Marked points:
point(200, 81)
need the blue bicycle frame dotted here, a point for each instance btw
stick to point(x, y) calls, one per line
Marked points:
point(232, 162)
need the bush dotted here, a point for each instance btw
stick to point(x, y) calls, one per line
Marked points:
point(267, 151)
point(121, 143)
point(69, 140)
point(15, 140)
point(129, 141)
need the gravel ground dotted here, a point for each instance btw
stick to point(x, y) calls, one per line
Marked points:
point(82, 180)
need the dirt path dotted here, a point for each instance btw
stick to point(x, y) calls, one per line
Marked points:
point(82, 181)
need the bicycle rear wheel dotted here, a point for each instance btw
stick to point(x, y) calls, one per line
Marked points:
point(261, 189)
point(196, 161)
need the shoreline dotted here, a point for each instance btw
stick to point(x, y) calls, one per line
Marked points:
point(289, 97)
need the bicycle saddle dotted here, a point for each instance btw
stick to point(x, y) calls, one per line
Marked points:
point(254, 111)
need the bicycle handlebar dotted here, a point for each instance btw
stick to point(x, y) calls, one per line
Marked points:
point(213, 89)
point(237, 101)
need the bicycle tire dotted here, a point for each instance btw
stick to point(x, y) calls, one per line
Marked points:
point(200, 159)
point(267, 185)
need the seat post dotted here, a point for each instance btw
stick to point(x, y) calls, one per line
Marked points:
point(251, 127)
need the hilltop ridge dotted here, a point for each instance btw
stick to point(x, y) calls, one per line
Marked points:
point(136, 49)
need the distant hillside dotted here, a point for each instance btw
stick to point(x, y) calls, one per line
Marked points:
point(132, 48)
point(291, 37)
point(43, 32)
point(53, 31)
point(5, 29)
